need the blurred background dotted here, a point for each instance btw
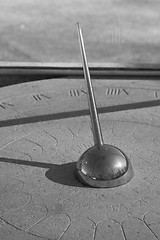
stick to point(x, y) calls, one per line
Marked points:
point(118, 31)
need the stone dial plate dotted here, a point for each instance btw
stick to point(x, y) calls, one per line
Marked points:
point(44, 128)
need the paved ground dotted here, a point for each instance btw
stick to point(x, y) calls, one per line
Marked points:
point(114, 31)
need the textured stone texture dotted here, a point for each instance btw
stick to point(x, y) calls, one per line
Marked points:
point(40, 198)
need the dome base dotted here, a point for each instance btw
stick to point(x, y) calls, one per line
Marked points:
point(104, 168)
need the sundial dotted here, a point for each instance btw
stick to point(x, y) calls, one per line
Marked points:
point(45, 128)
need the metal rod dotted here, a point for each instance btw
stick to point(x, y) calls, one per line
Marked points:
point(95, 124)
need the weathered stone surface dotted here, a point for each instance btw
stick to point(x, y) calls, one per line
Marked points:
point(40, 197)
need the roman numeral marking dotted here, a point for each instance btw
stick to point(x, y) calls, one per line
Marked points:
point(112, 91)
point(124, 90)
point(39, 97)
point(83, 92)
point(156, 94)
point(36, 97)
point(76, 92)
point(115, 91)
point(5, 105)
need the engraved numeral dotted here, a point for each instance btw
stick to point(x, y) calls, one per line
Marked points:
point(76, 92)
point(5, 105)
point(112, 91)
point(124, 90)
point(156, 94)
point(39, 97)
point(116, 91)
point(83, 91)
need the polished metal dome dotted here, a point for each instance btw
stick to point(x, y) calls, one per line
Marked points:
point(104, 167)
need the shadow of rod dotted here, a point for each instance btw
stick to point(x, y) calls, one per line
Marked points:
point(63, 174)
point(78, 113)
